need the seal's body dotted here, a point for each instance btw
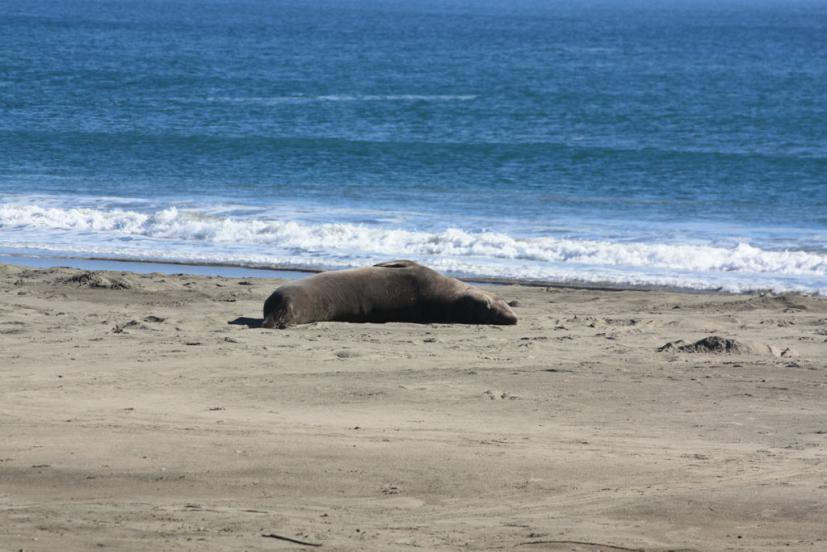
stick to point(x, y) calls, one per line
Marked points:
point(397, 291)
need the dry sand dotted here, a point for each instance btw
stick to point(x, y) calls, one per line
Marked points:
point(140, 412)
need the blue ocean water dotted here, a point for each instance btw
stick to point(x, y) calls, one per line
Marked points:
point(674, 143)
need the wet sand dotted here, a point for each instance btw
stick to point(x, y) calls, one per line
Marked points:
point(148, 412)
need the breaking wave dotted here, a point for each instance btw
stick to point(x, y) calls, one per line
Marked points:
point(193, 236)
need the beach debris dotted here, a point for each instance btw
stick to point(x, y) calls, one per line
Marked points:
point(288, 539)
point(514, 304)
point(789, 352)
point(119, 328)
point(713, 344)
point(598, 545)
point(672, 346)
point(390, 490)
point(152, 318)
point(499, 395)
point(91, 279)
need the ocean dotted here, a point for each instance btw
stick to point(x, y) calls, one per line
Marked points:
point(661, 143)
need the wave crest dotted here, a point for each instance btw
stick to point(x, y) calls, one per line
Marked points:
point(482, 253)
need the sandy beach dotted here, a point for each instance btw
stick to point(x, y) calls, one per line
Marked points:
point(148, 412)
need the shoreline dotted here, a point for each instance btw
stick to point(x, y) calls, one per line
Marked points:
point(253, 270)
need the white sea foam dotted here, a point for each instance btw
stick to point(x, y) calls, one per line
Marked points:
point(190, 235)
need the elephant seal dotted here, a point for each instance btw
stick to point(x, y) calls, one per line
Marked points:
point(396, 291)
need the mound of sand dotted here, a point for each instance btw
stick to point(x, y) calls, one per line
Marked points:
point(712, 344)
point(92, 279)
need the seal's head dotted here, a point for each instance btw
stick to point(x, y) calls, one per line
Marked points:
point(278, 311)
